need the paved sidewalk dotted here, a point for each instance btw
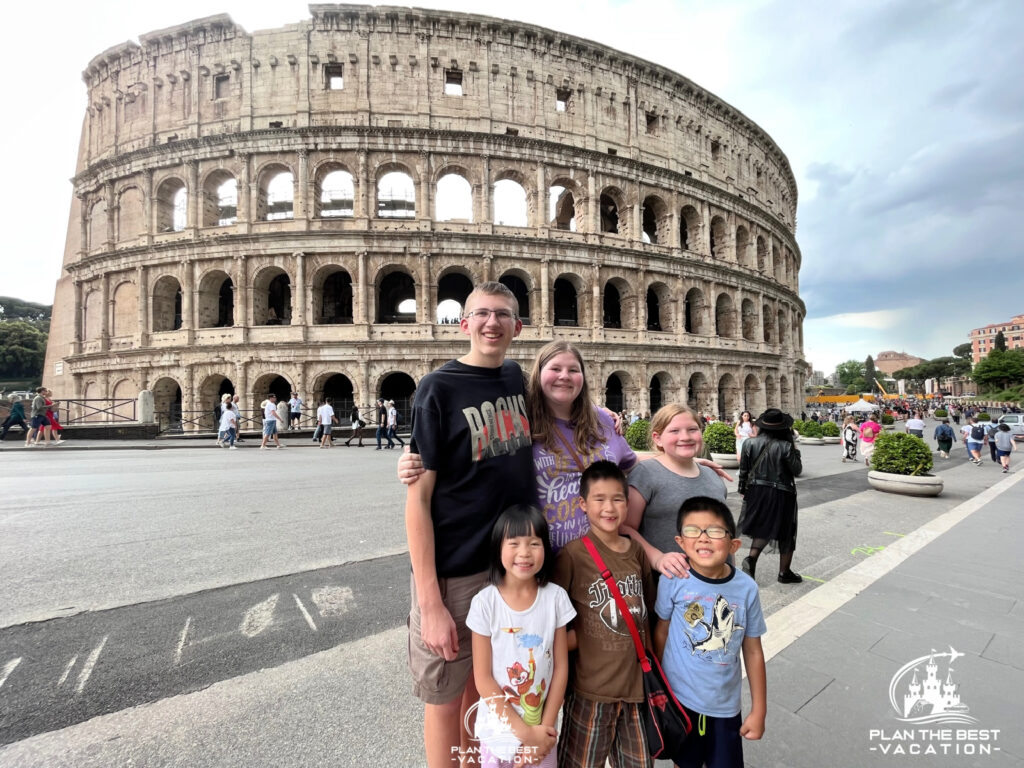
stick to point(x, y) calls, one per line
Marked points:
point(954, 586)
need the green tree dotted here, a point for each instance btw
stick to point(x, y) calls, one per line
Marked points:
point(869, 374)
point(850, 373)
point(964, 351)
point(1000, 369)
point(1000, 342)
point(28, 311)
point(22, 350)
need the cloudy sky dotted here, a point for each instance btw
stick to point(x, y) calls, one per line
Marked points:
point(903, 122)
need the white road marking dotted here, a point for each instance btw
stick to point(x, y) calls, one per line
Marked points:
point(259, 617)
point(181, 641)
point(332, 601)
point(83, 676)
point(8, 668)
point(67, 670)
point(305, 613)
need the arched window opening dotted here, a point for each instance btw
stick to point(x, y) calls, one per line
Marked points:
point(749, 318)
point(226, 304)
point(396, 299)
point(752, 399)
point(180, 210)
point(396, 196)
point(452, 290)
point(342, 394)
point(522, 294)
point(400, 388)
point(742, 245)
point(510, 206)
point(279, 301)
point(653, 219)
point(220, 200)
point(766, 319)
point(449, 312)
point(653, 310)
point(215, 300)
point(728, 398)
point(227, 203)
point(171, 206)
point(689, 228)
point(655, 394)
point(561, 209)
point(650, 234)
point(612, 314)
point(566, 313)
point(280, 197)
point(696, 392)
point(98, 232)
point(125, 315)
point(166, 305)
point(454, 199)
point(762, 254)
point(210, 392)
point(718, 237)
point(167, 405)
point(613, 396)
point(781, 330)
point(337, 196)
point(693, 308)
point(336, 299)
point(725, 316)
point(609, 215)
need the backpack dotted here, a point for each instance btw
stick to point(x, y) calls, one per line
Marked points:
point(977, 433)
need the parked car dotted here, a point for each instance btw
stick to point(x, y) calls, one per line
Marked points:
point(1016, 423)
point(12, 396)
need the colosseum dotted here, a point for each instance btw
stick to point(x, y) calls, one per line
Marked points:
point(307, 208)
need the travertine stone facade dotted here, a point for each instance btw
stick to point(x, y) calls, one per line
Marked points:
point(255, 206)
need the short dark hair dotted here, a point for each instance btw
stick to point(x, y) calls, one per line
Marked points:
point(520, 520)
point(272, 395)
point(602, 470)
point(707, 504)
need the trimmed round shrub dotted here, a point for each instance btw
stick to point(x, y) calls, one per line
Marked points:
point(719, 438)
point(798, 425)
point(887, 420)
point(812, 429)
point(983, 417)
point(901, 454)
point(941, 413)
point(830, 429)
point(638, 435)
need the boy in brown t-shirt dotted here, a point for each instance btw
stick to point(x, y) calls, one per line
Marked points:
point(602, 712)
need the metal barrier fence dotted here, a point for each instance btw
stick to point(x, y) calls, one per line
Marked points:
point(177, 421)
point(96, 410)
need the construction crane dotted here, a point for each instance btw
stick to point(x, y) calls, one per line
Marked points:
point(884, 393)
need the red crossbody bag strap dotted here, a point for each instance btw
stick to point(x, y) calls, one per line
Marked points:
point(613, 588)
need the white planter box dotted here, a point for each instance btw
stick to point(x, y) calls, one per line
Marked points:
point(726, 460)
point(908, 485)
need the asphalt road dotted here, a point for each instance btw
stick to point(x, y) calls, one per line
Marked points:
point(261, 586)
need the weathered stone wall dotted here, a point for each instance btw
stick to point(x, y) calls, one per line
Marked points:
point(666, 249)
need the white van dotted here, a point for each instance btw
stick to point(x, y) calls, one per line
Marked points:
point(1016, 423)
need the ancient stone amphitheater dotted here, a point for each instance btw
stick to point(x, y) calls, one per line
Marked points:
point(308, 207)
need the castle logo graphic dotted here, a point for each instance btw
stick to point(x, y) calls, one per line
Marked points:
point(920, 694)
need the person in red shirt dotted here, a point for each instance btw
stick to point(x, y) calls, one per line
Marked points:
point(869, 430)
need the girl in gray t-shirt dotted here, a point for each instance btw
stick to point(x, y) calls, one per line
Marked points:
point(1003, 439)
point(660, 485)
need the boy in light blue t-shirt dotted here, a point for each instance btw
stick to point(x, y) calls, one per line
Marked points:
point(704, 622)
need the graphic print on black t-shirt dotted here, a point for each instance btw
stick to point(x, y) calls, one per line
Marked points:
point(497, 428)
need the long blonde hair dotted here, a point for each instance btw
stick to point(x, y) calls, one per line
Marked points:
point(664, 416)
point(586, 429)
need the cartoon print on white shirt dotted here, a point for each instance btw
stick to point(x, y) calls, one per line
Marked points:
point(708, 638)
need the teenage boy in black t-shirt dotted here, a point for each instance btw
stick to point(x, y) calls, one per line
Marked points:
point(470, 426)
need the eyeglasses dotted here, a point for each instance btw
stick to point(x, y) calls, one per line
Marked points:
point(714, 532)
point(503, 315)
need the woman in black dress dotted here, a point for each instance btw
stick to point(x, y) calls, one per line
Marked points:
point(769, 464)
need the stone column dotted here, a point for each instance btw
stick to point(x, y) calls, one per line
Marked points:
point(705, 229)
point(299, 309)
point(542, 199)
point(108, 193)
point(484, 215)
point(594, 207)
point(359, 298)
point(364, 384)
point(241, 280)
point(76, 345)
point(148, 207)
point(245, 197)
point(545, 298)
point(487, 263)
point(193, 213)
point(142, 290)
point(84, 224)
point(302, 204)
point(362, 182)
point(107, 305)
point(423, 205)
point(598, 306)
point(425, 298)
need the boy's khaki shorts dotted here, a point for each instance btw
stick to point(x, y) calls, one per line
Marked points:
point(434, 680)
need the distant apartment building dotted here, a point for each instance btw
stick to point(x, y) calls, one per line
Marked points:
point(889, 362)
point(817, 379)
point(983, 340)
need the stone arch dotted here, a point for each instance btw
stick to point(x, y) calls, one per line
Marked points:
point(762, 255)
point(454, 286)
point(753, 395)
point(167, 403)
point(171, 205)
point(332, 296)
point(394, 192)
point(400, 387)
point(568, 300)
point(777, 265)
point(566, 209)
point(220, 199)
point(782, 327)
point(208, 398)
point(272, 297)
point(689, 228)
point(614, 213)
point(124, 315)
point(511, 201)
point(743, 246)
point(275, 199)
point(617, 304)
point(264, 384)
point(655, 220)
point(333, 191)
point(693, 311)
point(340, 388)
point(166, 304)
point(131, 219)
point(124, 389)
point(518, 281)
point(771, 392)
point(394, 286)
point(215, 302)
point(698, 393)
point(725, 316)
point(659, 307)
point(729, 401)
point(718, 238)
point(768, 321)
point(615, 392)
point(453, 196)
point(91, 391)
point(660, 390)
point(98, 233)
point(748, 318)
point(785, 395)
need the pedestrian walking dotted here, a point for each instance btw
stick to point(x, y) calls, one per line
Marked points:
point(294, 411)
point(1004, 445)
point(915, 425)
point(271, 417)
point(325, 420)
point(16, 418)
point(944, 438)
point(37, 417)
point(976, 439)
point(869, 430)
point(393, 423)
point(228, 426)
point(744, 428)
point(238, 418)
point(382, 424)
point(850, 436)
point(225, 406)
point(357, 426)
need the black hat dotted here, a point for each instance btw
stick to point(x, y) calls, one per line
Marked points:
point(773, 418)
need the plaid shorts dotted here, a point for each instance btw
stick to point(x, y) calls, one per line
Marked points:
point(596, 731)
